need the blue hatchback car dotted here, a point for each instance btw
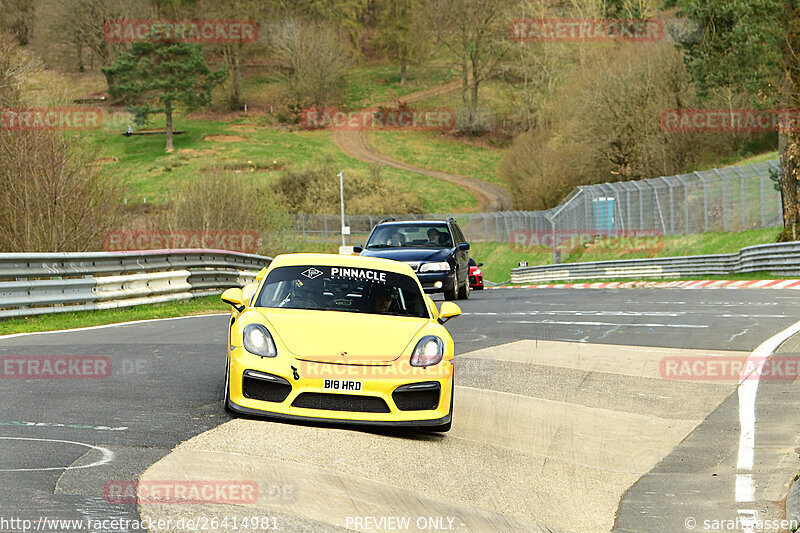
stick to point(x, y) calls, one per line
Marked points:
point(435, 249)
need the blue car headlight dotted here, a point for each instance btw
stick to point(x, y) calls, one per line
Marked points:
point(444, 266)
point(258, 341)
point(428, 352)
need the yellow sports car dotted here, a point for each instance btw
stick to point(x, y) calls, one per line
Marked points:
point(340, 338)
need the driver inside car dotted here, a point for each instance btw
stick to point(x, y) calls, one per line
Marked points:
point(396, 239)
point(383, 301)
point(433, 236)
point(304, 294)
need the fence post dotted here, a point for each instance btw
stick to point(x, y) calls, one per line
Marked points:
point(303, 219)
point(744, 195)
point(325, 226)
point(671, 207)
point(705, 200)
point(763, 207)
point(686, 204)
point(724, 200)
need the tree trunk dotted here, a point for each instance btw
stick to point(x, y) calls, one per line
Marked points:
point(79, 51)
point(403, 77)
point(473, 110)
point(233, 57)
point(788, 150)
point(168, 112)
point(465, 86)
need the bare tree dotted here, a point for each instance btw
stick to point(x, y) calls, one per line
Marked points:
point(315, 61)
point(15, 67)
point(403, 33)
point(17, 16)
point(80, 25)
point(475, 34)
point(54, 196)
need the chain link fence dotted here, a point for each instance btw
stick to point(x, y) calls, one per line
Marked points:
point(728, 199)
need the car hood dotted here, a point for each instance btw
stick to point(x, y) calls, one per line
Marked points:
point(322, 336)
point(410, 254)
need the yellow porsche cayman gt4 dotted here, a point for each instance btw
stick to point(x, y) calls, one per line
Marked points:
point(340, 339)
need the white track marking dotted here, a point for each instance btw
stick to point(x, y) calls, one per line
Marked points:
point(103, 326)
point(747, 391)
point(108, 456)
point(569, 323)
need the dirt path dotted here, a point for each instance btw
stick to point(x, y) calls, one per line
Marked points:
point(354, 143)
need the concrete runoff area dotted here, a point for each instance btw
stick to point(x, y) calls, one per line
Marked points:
point(535, 458)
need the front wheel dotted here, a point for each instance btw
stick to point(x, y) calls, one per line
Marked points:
point(226, 398)
point(452, 294)
point(463, 291)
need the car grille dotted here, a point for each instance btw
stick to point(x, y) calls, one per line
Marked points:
point(417, 396)
point(265, 387)
point(340, 402)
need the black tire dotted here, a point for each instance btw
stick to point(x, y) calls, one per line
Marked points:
point(463, 291)
point(479, 288)
point(226, 399)
point(452, 294)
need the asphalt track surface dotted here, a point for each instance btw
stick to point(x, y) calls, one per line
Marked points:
point(557, 426)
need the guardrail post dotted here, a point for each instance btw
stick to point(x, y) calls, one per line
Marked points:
point(325, 222)
point(303, 219)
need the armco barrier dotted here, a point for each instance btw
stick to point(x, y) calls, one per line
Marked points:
point(782, 259)
point(38, 283)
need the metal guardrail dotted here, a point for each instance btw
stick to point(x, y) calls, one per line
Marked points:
point(39, 283)
point(782, 259)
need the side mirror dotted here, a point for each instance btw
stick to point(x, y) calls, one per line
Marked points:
point(464, 246)
point(449, 310)
point(358, 249)
point(261, 274)
point(233, 297)
point(480, 264)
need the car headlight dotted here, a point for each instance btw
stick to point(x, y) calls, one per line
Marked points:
point(258, 341)
point(435, 267)
point(428, 352)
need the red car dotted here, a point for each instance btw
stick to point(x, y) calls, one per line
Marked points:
point(475, 275)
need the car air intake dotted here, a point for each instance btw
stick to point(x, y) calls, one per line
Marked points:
point(265, 387)
point(417, 396)
point(340, 402)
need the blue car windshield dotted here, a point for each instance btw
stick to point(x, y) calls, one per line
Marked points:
point(411, 235)
point(337, 288)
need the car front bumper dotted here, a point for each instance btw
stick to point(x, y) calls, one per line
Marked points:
point(429, 280)
point(391, 394)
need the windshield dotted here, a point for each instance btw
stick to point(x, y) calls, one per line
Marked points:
point(411, 235)
point(353, 290)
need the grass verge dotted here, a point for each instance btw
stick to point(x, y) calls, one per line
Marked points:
point(82, 319)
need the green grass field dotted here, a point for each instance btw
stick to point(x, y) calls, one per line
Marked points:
point(439, 151)
point(82, 319)
point(245, 145)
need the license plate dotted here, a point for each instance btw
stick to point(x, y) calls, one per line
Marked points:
point(341, 384)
